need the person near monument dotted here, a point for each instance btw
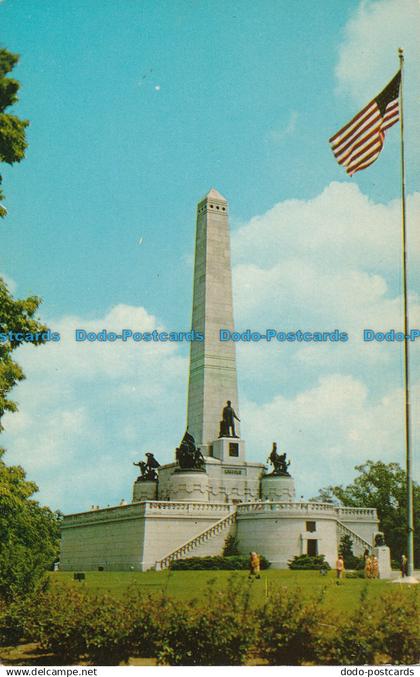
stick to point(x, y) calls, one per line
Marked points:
point(339, 567)
point(375, 567)
point(368, 567)
point(229, 416)
point(254, 565)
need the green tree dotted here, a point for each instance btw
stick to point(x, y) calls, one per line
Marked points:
point(231, 546)
point(383, 486)
point(346, 549)
point(12, 129)
point(29, 533)
point(17, 316)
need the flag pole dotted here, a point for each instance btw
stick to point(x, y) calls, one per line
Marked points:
point(408, 447)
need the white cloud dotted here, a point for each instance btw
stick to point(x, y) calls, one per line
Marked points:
point(330, 262)
point(326, 263)
point(87, 410)
point(327, 430)
point(341, 227)
point(368, 53)
point(368, 59)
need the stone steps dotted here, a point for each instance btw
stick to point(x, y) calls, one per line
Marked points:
point(184, 550)
point(359, 543)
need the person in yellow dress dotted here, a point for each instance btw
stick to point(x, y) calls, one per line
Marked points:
point(254, 565)
point(368, 567)
point(375, 567)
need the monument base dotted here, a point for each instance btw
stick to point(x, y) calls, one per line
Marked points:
point(411, 580)
point(144, 490)
point(189, 485)
point(278, 488)
point(383, 554)
point(228, 449)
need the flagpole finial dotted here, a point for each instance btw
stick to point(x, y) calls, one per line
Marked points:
point(401, 53)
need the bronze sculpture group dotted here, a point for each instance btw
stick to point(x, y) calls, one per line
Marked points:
point(148, 468)
point(279, 463)
point(189, 457)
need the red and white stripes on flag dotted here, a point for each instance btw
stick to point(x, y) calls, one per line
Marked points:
point(358, 144)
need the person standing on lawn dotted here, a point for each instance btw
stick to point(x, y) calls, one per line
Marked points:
point(368, 567)
point(254, 565)
point(375, 567)
point(339, 566)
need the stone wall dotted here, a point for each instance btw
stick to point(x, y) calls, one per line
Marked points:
point(136, 535)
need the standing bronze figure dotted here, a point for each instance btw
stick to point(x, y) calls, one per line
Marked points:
point(227, 424)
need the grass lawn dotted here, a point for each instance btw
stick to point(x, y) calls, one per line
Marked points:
point(193, 584)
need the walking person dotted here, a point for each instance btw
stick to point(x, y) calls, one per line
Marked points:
point(254, 565)
point(339, 567)
point(403, 566)
point(375, 567)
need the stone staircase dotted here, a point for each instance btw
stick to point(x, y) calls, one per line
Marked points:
point(359, 543)
point(196, 541)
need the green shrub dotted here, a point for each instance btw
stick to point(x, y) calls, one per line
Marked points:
point(220, 633)
point(382, 630)
point(293, 630)
point(231, 546)
point(308, 562)
point(350, 559)
point(290, 629)
point(57, 620)
point(108, 632)
point(357, 573)
point(12, 623)
point(234, 562)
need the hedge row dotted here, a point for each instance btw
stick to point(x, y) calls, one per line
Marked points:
point(316, 562)
point(225, 629)
point(232, 562)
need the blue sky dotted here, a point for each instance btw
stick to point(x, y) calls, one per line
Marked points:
point(136, 110)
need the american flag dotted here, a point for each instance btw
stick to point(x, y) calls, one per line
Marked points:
point(358, 144)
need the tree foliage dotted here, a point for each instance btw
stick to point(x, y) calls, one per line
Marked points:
point(231, 546)
point(383, 486)
point(12, 129)
point(29, 533)
point(346, 549)
point(18, 316)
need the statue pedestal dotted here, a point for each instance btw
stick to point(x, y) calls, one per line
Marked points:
point(189, 485)
point(228, 449)
point(278, 488)
point(382, 552)
point(144, 490)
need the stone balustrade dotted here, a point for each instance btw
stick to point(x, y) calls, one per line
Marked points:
point(308, 508)
point(146, 508)
point(166, 508)
point(185, 507)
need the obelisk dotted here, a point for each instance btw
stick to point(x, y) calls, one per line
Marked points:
point(212, 378)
